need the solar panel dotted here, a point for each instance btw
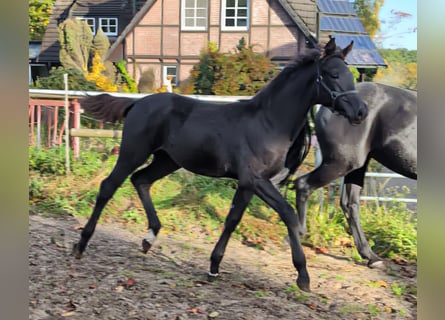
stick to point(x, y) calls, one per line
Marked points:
point(336, 7)
point(364, 51)
point(346, 24)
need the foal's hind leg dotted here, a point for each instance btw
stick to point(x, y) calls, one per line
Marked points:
point(239, 203)
point(107, 189)
point(161, 166)
point(269, 194)
point(350, 204)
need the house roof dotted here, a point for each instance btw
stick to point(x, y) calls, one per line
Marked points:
point(339, 19)
point(64, 9)
point(304, 14)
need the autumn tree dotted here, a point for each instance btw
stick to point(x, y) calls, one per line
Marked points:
point(101, 44)
point(39, 12)
point(402, 68)
point(368, 12)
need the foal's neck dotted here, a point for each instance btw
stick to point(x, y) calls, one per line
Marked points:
point(286, 107)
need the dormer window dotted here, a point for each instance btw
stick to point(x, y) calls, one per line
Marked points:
point(91, 22)
point(108, 26)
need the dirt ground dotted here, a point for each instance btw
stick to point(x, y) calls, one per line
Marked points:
point(114, 280)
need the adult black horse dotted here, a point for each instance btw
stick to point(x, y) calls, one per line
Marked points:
point(388, 135)
point(247, 141)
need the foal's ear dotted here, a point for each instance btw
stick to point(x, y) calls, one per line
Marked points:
point(348, 49)
point(330, 47)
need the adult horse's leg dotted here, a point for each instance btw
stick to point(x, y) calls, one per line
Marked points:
point(161, 166)
point(239, 203)
point(269, 194)
point(350, 204)
point(306, 184)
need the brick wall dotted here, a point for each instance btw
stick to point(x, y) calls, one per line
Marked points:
point(160, 41)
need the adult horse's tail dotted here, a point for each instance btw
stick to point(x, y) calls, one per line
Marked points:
point(107, 108)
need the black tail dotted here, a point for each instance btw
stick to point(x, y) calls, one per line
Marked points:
point(298, 151)
point(107, 108)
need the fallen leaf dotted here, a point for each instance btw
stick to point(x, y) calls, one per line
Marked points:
point(400, 261)
point(77, 228)
point(321, 250)
point(381, 283)
point(213, 314)
point(195, 311)
point(312, 306)
point(68, 314)
point(119, 288)
point(129, 283)
point(92, 286)
point(387, 309)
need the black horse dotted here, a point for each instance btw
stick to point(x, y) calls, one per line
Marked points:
point(388, 135)
point(246, 140)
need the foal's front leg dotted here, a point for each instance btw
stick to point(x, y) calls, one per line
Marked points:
point(239, 203)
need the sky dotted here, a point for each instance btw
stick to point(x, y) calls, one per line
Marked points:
point(398, 25)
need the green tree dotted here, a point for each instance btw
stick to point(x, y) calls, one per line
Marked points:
point(203, 74)
point(368, 12)
point(39, 12)
point(76, 44)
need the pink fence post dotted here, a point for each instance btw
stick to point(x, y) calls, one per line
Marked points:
point(76, 125)
point(31, 122)
point(56, 117)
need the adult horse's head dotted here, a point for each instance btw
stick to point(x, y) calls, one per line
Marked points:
point(335, 84)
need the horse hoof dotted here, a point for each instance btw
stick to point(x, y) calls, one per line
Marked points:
point(378, 264)
point(145, 246)
point(304, 286)
point(212, 276)
point(76, 251)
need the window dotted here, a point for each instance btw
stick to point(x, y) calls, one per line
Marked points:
point(169, 71)
point(91, 22)
point(235, 15)
point(194, 14)
point(108, 26)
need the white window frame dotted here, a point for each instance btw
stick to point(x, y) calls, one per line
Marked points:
point(224, 7)
point(91, 22)
point(195, 17)
point(107, 25)
point(165, 73)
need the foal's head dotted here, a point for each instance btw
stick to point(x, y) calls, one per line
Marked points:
point(336, 88)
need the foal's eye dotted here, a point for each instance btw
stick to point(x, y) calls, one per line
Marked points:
point(335, 75)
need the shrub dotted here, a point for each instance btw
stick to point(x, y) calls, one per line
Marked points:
point(147, 81)
point(76, 80)
point(243, 72)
